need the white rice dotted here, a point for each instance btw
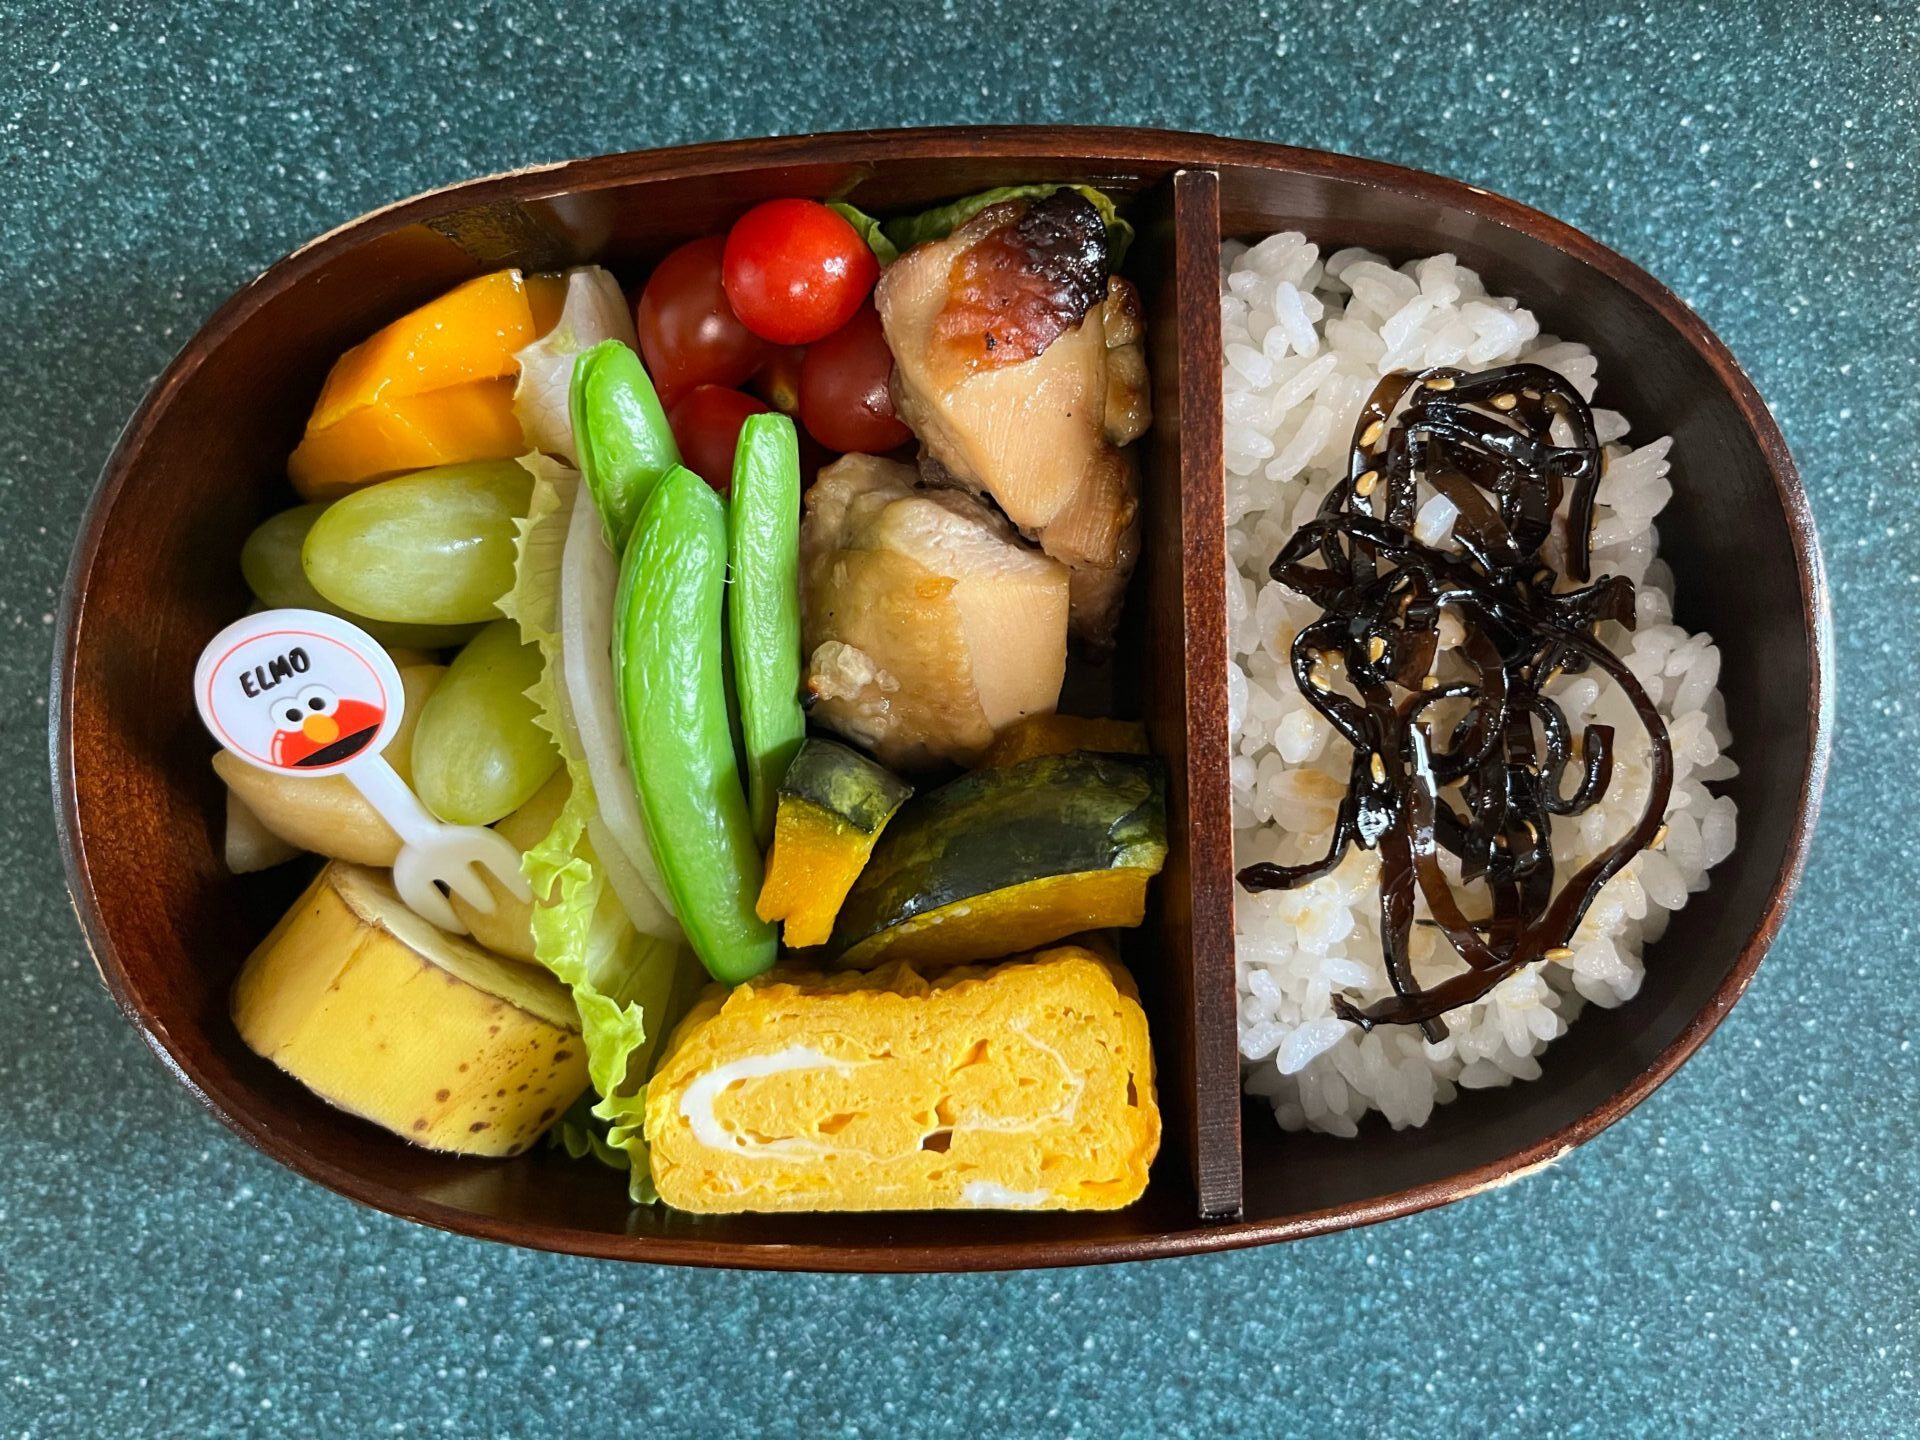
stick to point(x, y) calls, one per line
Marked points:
point(1306, 340)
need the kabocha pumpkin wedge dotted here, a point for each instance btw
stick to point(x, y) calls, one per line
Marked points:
point(421, 1032)
point(1007, 859)
point(833, 804)
point(1027, 1086)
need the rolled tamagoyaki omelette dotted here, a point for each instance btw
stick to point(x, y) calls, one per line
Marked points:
point(1024, 1086)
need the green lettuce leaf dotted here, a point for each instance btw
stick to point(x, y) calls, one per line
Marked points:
point(534, 601)
point(623, 983)
point(908, 231)
point(870, 230)
point(582, 1134)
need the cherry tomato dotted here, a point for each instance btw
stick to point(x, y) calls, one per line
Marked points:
point(706, 426)
point(778, 380)
point(689, 334)
point(844, 400)
point(795, 271)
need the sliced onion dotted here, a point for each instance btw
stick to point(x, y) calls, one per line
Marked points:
point(595, 310)
point(648, 914)
point(588, 578)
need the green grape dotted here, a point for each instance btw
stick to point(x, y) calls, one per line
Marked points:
point(270, 561)
point(479, 753)
point(431, 548)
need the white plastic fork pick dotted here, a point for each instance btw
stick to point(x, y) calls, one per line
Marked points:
point(305, 694)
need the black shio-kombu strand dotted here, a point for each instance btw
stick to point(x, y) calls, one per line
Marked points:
point(1475, 766)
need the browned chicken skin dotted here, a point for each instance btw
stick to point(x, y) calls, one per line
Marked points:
point(1019, 364)
point(1032, 275)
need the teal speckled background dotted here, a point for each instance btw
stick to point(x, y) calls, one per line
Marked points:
point(1739, 1258)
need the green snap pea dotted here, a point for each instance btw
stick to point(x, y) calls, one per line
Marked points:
point(763, 607)
point(620, 435)
point(671, 677)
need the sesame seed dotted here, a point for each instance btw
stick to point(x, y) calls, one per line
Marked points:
point(1376, 647)
point(1559, 955)
point(1659, 838)
point(1378, 769)
point(1505, 402)
point(1371, 434)
point(1363, 487)
point(1430, 682)
point(1440, 382)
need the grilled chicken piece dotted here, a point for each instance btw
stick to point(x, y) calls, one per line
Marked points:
point(1018, 362)
point(928, 625)
point(1129, 398)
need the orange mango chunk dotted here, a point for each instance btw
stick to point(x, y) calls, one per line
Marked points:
point(392, 435)
point(470, 333)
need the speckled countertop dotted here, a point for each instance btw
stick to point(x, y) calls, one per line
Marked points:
point(1740, 1257)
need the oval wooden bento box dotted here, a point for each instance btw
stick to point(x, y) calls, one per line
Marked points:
point(155, 575)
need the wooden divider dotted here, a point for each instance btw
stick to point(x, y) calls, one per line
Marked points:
point(1186, 565)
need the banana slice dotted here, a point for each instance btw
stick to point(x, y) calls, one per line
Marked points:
point(421, 1032)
